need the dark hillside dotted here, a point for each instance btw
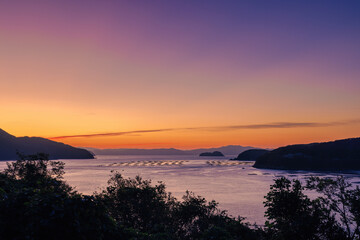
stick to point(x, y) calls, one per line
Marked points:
point(251, 154)
point(10, 145)
point(333, 156)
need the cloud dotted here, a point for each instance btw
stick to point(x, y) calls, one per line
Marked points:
point(111, 134)
point(218, 128)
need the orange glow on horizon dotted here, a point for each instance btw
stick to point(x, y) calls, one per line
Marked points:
point(264, 138)
point(105, 68)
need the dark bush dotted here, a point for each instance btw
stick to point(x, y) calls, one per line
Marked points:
point(35, 203)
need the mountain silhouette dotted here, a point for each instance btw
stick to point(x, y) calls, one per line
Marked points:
point(226, 150)
point(333, 156)
point(10, 145)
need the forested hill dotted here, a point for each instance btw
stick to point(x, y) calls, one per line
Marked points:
point(251, 154)
point(10, 145)
point(333, 156)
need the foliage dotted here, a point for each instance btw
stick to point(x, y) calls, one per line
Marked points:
point(342, 202)
point(35, 203)
point(152, 212)
point(333, 214)
point(292, 214)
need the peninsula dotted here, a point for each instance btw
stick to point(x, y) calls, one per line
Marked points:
point(328, 156)
point(11, 145)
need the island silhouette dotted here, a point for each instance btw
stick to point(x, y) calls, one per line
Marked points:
point(251, 154)
point(212, 154)
point(328, 156)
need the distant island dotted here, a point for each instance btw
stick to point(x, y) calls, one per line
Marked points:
point(212, 154)
point(251, 154)
point(10, 145)
point(329, 156)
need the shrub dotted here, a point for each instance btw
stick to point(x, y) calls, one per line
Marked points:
point(35, 203)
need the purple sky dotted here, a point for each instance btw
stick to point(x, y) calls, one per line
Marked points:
point(137, 65)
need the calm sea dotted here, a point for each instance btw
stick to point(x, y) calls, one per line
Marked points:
point(237, 186)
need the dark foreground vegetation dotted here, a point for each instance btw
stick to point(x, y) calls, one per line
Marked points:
point(35, 203)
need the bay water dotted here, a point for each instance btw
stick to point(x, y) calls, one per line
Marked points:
point(235, 185)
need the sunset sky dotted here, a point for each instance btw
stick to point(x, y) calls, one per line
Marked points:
point(184, 74)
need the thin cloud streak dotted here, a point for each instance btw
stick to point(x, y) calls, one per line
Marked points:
point(111, 134)
point(218, 128)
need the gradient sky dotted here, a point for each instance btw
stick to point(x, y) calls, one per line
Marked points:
point(182, 74)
